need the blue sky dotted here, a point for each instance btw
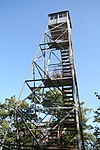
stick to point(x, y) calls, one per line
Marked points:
point(22, 24)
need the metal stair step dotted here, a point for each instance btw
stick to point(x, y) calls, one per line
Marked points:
point(70, 124)
point(67, 89)
point(65, 54)
point(68, 92)
point(66, 96)
point(66, 72)
point(66, 100)
point(64, 51)
point(65, 58)
point(68, 109)
point(71, 117)
point(67, 69)
point(69, 105)
point(65, 65)
point(69, 101)
point(67, 75)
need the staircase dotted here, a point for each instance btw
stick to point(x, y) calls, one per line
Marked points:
point(65, 63)
point(68, 95)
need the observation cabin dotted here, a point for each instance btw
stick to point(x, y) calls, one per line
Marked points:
point(58, 24)
point(58, 17)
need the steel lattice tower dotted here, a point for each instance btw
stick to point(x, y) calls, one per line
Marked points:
point(54, 70)
point(56, 121)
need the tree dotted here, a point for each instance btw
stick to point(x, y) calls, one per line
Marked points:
point(96, 129)
point(89, 138)
point(16, 124)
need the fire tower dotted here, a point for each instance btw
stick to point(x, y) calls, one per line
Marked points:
point(54, 121)
point(54, 72)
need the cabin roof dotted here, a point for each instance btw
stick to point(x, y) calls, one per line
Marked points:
point(66, 11)
point(58, 12)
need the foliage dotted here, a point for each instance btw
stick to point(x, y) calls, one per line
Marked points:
point(85, 111)
point(97, 115)
point(52, 98)
point(96, 129)
point(21, 131)
point(15, 123)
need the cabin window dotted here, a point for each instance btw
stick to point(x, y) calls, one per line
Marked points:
point(62, 15)
point(55, 16)
point(51, 17)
